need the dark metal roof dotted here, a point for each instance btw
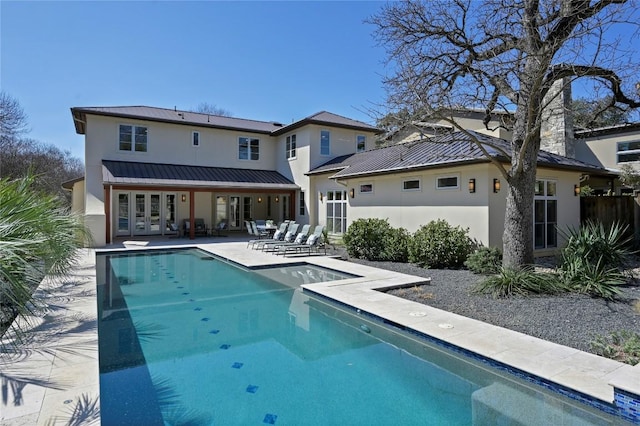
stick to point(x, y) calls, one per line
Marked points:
point(69, 184)
point(329, 119)
point(214, 121)
point(439, 151)
point(172, 116)
point(125, 172)
point(609, 130)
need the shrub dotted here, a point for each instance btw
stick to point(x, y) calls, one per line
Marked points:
point(512, 282)
point(397, 245)
point(439, 245)
point(622, 346)
point(592, 256)
point(367, 238)
point(485, 260)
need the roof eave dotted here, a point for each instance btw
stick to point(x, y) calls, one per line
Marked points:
point(84, 113)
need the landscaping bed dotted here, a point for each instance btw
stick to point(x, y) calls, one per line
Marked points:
point(569, 319)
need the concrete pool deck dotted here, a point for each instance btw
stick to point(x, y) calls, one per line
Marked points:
point(53, 375)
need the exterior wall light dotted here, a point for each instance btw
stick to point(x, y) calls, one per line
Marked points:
point(576, 190)
point(184, 198)
point(352, 193)
point(472, 186)
point(259, 199)
point(496, 186)
point(277, 199)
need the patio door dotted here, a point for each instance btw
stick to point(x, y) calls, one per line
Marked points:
point(148, 214)
point(234, 212)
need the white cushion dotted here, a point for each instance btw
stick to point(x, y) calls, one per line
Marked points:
point(312, 239)
point(276, 235)
point(299, 238)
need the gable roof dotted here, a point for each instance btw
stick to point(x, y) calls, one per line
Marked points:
point(129, 172)
point(214, 121)
point(440, 151)
point(329, 119)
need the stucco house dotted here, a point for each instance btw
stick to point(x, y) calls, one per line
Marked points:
point(148, 170)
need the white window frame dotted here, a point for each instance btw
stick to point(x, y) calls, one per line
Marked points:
point(448, 188)
point(620, 152)
point(362, 138)
point(328, 133)
point(419, 188)
point(133, 138)
point(545, 197)
point(249, 141)
point(291, 147)
point(364, 185)
point(331, 203)
point(195, 138)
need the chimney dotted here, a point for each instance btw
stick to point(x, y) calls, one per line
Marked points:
point(556, 132)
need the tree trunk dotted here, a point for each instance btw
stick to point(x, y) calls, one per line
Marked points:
point(518, 222)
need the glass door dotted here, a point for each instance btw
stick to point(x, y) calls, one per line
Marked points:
point(122, 225)
point(234, 212)
point(221, 209)
point(147, 214)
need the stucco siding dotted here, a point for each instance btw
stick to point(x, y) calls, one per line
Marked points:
point(602, 150)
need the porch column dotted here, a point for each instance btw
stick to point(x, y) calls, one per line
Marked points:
point(107, 213)
point(192, 212)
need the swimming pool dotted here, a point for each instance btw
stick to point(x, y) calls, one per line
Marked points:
point(184, 339)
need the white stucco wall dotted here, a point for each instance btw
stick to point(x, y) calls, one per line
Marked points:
point(482, 212)
point(602, 150)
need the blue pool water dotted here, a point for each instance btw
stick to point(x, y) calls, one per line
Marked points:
point(188, 339)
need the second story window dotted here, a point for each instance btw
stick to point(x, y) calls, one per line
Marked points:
point(132, 138)
point(325, 142)
point(361, 144)
point(195, 138)
point(291, 146)
point(248, 149)
point(628, 151)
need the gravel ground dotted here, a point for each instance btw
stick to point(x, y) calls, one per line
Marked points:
point(570, 319)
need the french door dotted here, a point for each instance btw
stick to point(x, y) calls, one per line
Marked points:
point(145, 213)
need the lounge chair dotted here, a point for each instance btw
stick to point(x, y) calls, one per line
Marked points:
point(257, 232)
point(278, 236)
point(288, 238)
point(314, 242)
point(301, 238)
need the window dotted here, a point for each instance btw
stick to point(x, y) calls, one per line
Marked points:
point(301, 205)
point(366, 188)
point(248, 149)
point(336, 212)
point(411, 185)
point(325, 142)
point(361, 144)
point(291, 146)
point(447, 182)
point(133, 138)
point(195, 138)
point(628, 151)
point(545, 215)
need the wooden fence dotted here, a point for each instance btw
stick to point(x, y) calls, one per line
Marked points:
point(608, 210)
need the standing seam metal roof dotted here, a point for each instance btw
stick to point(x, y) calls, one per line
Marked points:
point(440, 151)
point(153, 173)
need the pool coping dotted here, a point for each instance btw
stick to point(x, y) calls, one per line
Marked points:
point(70, 360)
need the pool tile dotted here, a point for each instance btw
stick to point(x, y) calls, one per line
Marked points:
point(237, 365)
point(252, 389)
point(225, 346)
point(198, 309)
point(214, 331)
point(270, 419)
point(205, 319)
point(185, 293)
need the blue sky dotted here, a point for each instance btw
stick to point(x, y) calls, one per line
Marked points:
point(259, 60)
